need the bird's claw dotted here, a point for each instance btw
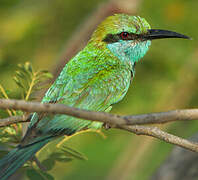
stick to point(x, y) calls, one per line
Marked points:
point(106, 126)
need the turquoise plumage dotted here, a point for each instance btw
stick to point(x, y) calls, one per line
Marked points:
point(95, 79)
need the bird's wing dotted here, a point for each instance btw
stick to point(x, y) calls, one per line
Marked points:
point(89, 87)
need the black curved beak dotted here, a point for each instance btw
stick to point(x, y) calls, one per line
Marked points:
point(161, 34)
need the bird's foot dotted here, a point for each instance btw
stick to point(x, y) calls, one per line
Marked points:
point(106, 126)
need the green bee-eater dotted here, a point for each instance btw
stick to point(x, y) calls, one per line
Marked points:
point(95, 79)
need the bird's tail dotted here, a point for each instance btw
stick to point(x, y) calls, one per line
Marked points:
point(17, 157)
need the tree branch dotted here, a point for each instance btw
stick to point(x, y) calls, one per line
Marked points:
point(116, 121)
point(150, 118)
point(164, 136)
point(172, 169)
point(13, 120)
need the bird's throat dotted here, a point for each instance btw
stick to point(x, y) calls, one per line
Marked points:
point(129, 50)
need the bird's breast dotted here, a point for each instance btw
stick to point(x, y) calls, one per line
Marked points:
point(115, 83)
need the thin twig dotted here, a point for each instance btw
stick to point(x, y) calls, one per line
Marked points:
point(14, 119)
point(38, 163)
point(164, 136)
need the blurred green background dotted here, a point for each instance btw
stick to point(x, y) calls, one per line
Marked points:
point(166, 79)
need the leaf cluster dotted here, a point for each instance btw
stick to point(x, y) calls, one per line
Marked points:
point(48, 157)
point(30, 81)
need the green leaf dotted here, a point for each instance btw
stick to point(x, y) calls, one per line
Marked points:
point(29, 80)
point(33, 174)
point(48, 163)
point(73, 153)
point(3, 92)
point(28, 67)
point(20, 74)
point(60, 156)
point(48, 150)
point(18, 82)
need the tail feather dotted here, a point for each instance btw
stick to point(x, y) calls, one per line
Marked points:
point(17, 157)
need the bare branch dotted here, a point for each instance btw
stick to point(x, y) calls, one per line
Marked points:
point(14, 119)
point(116, 121)
point(164, 136)
point(163, 117)
point(151, 118)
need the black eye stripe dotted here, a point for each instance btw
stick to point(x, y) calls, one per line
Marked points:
point(111, 38)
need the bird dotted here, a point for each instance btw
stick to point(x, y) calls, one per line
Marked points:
point(94, 79)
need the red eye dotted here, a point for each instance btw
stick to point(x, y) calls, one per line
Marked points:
point(124, 35)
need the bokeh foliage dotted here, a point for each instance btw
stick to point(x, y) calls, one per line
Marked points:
point(166, 79)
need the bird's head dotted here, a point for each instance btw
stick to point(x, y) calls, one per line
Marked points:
point(128, 37)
